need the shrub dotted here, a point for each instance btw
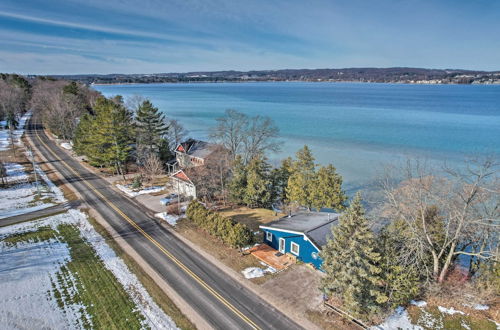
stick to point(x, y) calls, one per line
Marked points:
point(232, 233)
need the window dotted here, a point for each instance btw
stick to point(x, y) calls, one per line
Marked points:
point(314, 255)
point(294, 248)
point(269, 236)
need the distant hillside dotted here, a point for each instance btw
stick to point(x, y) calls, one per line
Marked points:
point(386, 75)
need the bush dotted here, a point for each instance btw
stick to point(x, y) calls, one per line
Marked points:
point(232, 233)
point(174, 209)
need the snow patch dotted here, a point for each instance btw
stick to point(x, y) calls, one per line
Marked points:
point(132, 193)
point(253, 272)
point(399, 320)
point(418, 303)
point(481, 307)
point(15, 173)
point(67, 146)
point(450, 311)
point(170, 218)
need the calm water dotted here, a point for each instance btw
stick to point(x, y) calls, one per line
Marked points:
point(358, 127)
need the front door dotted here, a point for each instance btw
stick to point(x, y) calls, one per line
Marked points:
point(282, 245)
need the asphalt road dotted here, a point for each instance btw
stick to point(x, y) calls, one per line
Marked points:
point(37, 214)
point(219, 299)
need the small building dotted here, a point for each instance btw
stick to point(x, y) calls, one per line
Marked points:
point(182, 184)
point(193, 153)
point(302, 235)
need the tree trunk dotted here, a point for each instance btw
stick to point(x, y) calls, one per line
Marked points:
point(447, 264)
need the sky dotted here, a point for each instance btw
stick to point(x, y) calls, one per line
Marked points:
point(153, 36)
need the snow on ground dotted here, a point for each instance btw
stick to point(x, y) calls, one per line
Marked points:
point(15, 173)
point(253, 272)
point(170, 218)
point(26, 271)
point(131, 193)
point(67, 146)
point(418, 303)
point(399, 320)
point(17, 133)
point(155, 317)
point(450, 311)
point(22, 198)
point(481, 307)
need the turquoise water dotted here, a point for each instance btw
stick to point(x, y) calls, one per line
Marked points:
point(358, 127)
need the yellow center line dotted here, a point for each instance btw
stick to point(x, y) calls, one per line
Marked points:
point(162, 249)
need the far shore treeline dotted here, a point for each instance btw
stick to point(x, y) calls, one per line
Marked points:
point(432, 224)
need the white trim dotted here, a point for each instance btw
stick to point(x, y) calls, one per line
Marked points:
point(292, 232)
point(269, 236)
point(291, 248)
point(282, 230)
point(279, 245)
point(311, 241)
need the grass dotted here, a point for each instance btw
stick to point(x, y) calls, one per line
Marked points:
point(106, 302)
point(44, 233)
point(156, 293)
point(251, 217)
point(431, 318)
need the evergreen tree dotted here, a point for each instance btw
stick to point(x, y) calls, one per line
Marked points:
point(401, 278)
point(238, 183)
point(257, 192)
point(351, 263)
point(327, 189)
point(301, 181)
point(279, 180)
point(106, 138)
point(151, 128)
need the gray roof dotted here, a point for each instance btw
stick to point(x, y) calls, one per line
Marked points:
point(315, 225)
point(197, 148)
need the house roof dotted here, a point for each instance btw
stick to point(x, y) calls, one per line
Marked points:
point(196, 148)
point(315, 225)
point(182, 176)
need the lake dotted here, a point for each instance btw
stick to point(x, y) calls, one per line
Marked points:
point(359, 127)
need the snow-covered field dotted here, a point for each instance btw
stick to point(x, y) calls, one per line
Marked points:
point(21, 196)
point(28, 274)
point(132, 193)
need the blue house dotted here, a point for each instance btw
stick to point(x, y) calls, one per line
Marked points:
point(302, 234)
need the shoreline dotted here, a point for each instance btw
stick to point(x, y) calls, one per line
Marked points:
point(293, 81)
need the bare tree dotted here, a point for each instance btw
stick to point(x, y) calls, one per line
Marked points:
point(134, 102)
point(152, 167)
point(211, 178)
point(176, 133)
point(246, 136)
point(445, 214)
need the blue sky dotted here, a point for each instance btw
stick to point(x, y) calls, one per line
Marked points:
point(148, 36)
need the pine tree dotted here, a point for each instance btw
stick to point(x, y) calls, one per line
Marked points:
point(351, 263)
point(106, 138)
point(279, 180)
point(151, 127)
point(257, 192)
point(301, 181)
point(238, 183)
point(327, 189)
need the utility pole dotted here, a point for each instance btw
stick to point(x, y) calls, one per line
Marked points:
point(32, 158)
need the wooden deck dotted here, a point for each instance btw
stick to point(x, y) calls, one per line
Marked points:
point(271, 257)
